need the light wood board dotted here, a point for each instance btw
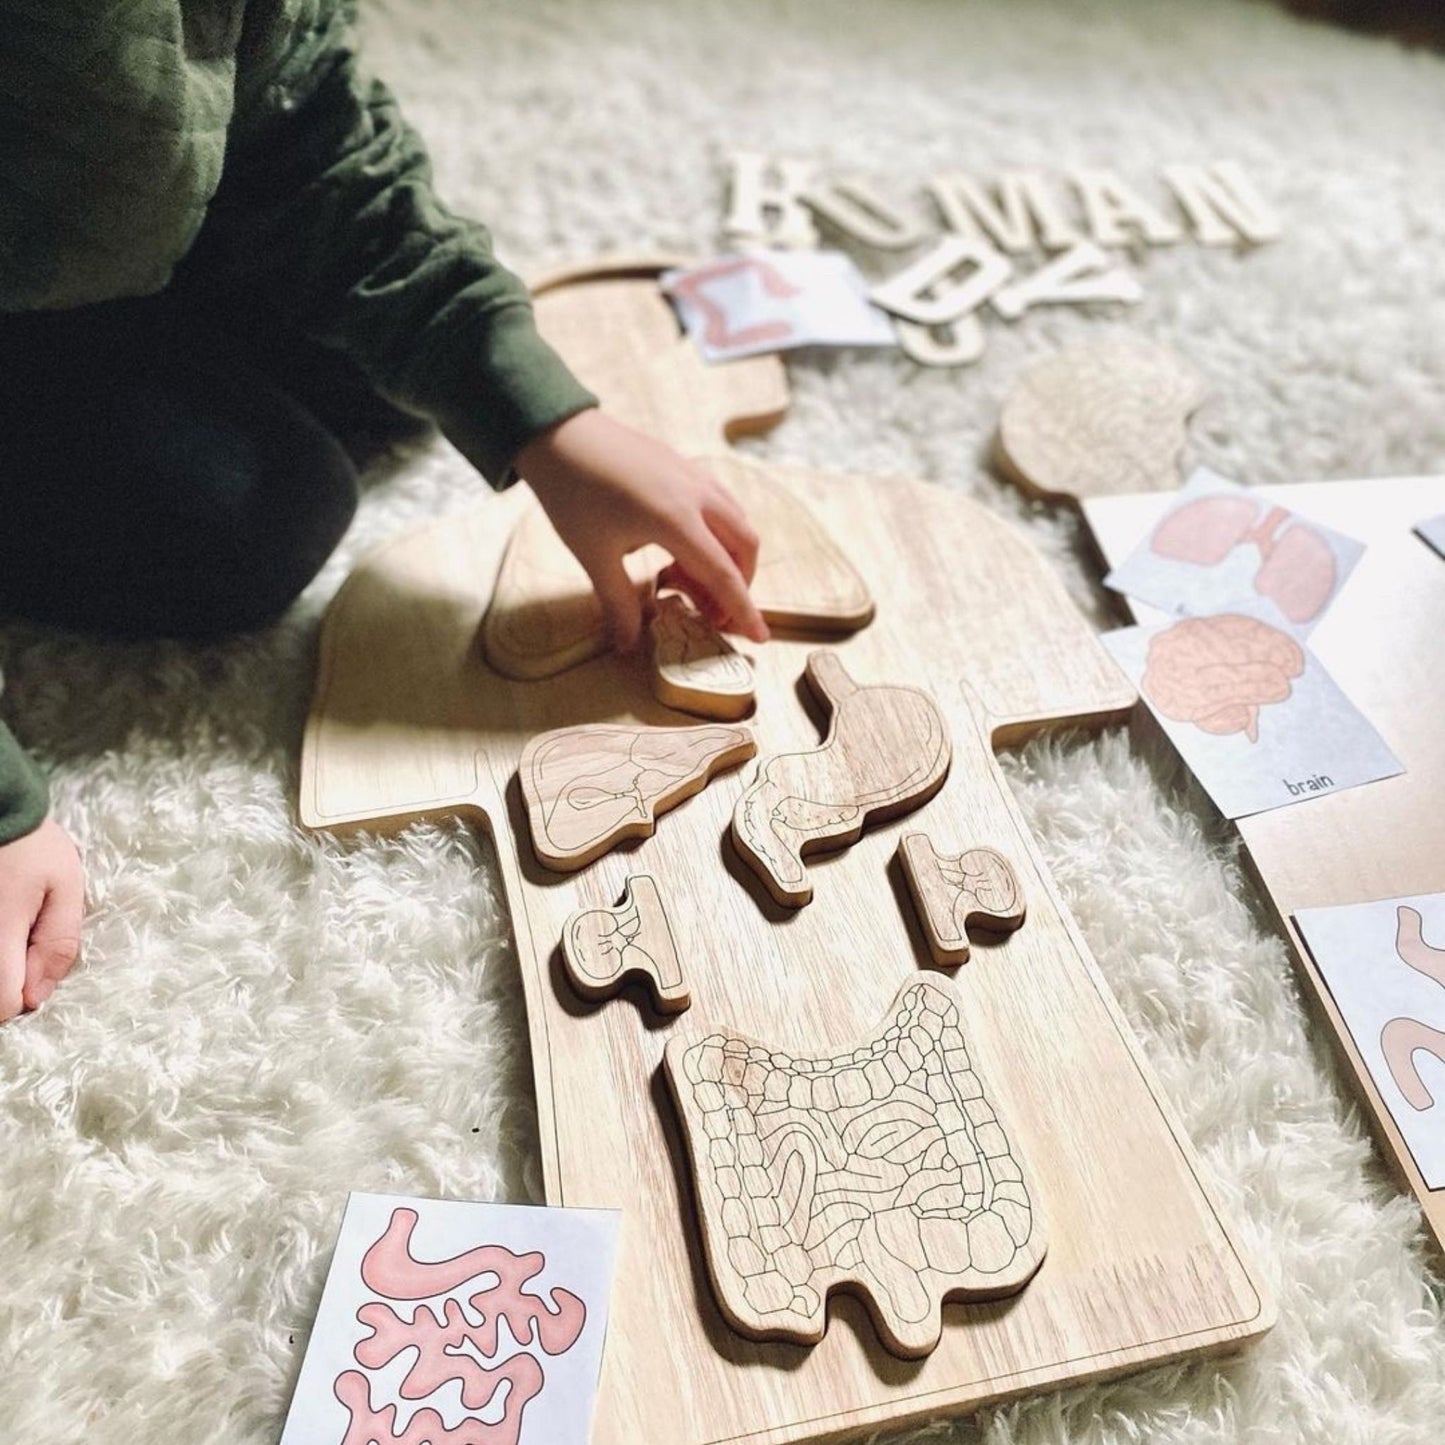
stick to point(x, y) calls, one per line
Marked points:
point(1382, 642)
point(410, 722)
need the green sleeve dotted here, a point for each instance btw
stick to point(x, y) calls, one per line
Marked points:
point(24, 798)
point(326, 209)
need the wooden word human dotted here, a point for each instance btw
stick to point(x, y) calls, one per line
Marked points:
point(887, 752)
point(975, 889)
point(883, 1170)
point(605, 948)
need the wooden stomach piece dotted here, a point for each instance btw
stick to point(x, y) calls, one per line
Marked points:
point(694, 667)
point(588, 788)
point(605, 948)
point(1093, 421)
point(883, 1171)
point(955, 892)
point(887, 751)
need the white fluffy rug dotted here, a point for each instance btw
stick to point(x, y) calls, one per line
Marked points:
point(264, 1020)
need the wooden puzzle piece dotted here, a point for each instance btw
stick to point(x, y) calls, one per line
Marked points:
point(604, 948)
point(1097, 420)
point(887, 752)
point(883, 1171)
point(975, 889)
point(588, 788)
point(544, 616)
point(694, 667)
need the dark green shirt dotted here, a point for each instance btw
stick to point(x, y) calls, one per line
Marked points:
point(125, 124)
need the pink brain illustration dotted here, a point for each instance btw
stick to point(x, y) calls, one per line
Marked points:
point(1217, 672)
point(450, 1346)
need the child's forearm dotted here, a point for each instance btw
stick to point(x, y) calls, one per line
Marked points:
point(24, 797)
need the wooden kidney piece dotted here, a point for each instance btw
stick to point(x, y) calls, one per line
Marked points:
point(604, 948)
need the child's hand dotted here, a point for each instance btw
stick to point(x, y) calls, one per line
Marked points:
point(42, 898)
point(610, 490)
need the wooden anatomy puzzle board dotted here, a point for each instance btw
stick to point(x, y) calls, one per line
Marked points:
point(410, 722)
point(1382, 641)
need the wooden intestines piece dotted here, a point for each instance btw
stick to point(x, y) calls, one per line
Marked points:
point(605, 948)
point(1092, 421)
point(544, 616)
point(883, 1171)
point(954, 893)
point(588, 788)
point(694, 667)
point(887, 752)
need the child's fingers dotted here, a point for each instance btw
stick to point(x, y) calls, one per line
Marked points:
point(54, 941)
point(621, 602)
point(14, 933)
point(733, 530)
point(705, 561)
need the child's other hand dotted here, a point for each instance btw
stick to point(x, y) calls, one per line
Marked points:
point(42, 898)
point(610, 490)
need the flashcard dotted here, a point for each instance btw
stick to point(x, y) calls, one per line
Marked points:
point(1432, 529)
point(1252, 711)
point(774, 301)
point(1384, 963)
point(1220, 544)
point(448, 1323)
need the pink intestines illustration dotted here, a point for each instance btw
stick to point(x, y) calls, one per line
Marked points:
point(1297, 570)
point(1217, 672)
point(390, 1269)
point(715, 319)
point(1402, 1038)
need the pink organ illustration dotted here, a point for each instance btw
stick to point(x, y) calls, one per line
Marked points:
point(448, 1345)
point(1297, 568)
point(1217, 672)
point(719, 330)
point(1402, 1038)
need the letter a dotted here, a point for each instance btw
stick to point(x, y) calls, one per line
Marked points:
point(1116, 212)
point(1082, 275)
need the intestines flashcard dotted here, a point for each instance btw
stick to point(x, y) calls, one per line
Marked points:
point(449, 1323)
point(1251, 709)
point(1219, 544)
point(1384, 963)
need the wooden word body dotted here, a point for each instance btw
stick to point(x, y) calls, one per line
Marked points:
point(883, 1171)
point(955, 277)
point(604, 948)
point(1080, 276)
point(694, 667)
point(887, 752)
point(975, 889)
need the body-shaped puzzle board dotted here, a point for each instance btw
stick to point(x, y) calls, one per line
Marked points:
point(604, 948)
point(886, 753)
point(884, 1170)
point(1381, 642)
point(409, 721)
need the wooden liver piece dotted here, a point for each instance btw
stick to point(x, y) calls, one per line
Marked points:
point(694, 667)
point(953, 893)
point(882, 1170)
point(605, 948)
point(1094, 421)
point(409, 721)
point(886, 752)
point(588, 788)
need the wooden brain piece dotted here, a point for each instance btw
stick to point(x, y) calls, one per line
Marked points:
point(694, 667)
point(883, 1171)
point(1217, 672)
point(587, 788)
point(1093, 421)
point(887, 751)
point(953, 893)
point(604, 948)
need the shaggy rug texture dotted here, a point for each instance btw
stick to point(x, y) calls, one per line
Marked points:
point(264, 1020)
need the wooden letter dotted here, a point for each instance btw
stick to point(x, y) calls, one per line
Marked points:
point(588, 788)
point(859, 212)
point(952, 894)
point(1222, 204)
point(604, 948)
point(1117, 213)
point(767, 203)
point(884, 1171)
point(886, 753)
point(1082, 275)
point(1025, 212)
point(956, 343)
point(952, 279)
point(694, 667)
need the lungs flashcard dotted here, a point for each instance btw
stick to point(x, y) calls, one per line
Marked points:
point(1252, 711)
point(1384, 963)
point(448, 1323)
point(1220, 545)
